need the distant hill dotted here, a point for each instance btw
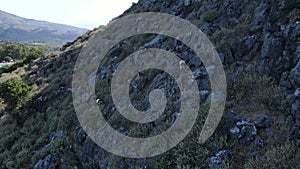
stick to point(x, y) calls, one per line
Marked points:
point(18, 29)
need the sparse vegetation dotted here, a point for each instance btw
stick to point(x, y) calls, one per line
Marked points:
point(294, 15)
point(256, 91)
point(286, 156)
point(209, 16)
point(188, 153)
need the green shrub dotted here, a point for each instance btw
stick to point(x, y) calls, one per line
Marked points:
point(209, 16)
point(256, 90)
point(7, 59)
point(294, 15)
point(35, 54)
point(15, 92)
point(20, 51)
point(189, 152)
point(285, 156)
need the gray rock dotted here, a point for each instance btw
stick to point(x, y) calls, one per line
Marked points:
point(194, 62)
point(187, 2)
point(295, 109)
point(220, 159)
point(190, 2)
point(295, 131)
point(156, 41)
point(149, 4)
point(259, 17)
point(272, 46)
point(258, 143)
point(186, 56)
point(226, 57)
point(105, 73)
point(289, 4)
point(81, 136)
point(297, 93)
point(57, 135)
point(204, 92)
point(291, 98)
point(250, 68)
point(256, 154)
point(235, 130)
point(289, 119)
point(295, 75)
point(200, 72)
point(47, 163)
point(9, 165)
point(272, 134)
point(285, 83)
point(243, 131)
point(246, 48)
point(297, 54)
point(263, 121)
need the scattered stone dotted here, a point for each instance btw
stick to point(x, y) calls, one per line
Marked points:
point(263, 121)
point(9, 165)
point(244, 131)
point(258, 143)
point(70, 90)
point(297, 92)
point(295, 75)
point(156, 41)
point(285, 83)
point(272, 46)
point(220, 159)
point(295, 109)
point(47, 163)
point(81, 135)
point(105, 73)
point(256, 154)
point(250, 68)
point(295, 131)
point(235, 130)
point(291, 98)
point(259, 17)
point(57, 135)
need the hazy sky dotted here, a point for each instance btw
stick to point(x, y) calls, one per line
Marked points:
point(81, 13)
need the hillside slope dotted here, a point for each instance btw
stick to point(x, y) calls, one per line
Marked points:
point(18, 29)
point(259, 45)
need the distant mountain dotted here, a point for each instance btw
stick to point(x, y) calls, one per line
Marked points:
point(18, 29)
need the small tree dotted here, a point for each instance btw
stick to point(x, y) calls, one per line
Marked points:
point(15, 92)
point(7, 59)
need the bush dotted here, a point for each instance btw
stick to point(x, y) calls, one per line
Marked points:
point(15, 92)
point(256, 90)
point(34, 54)
point(209, 16)
point(286, 156)
point(294, 15)
point(7, 59)
point(189, 153)
point(10, 68)
point(20, 51)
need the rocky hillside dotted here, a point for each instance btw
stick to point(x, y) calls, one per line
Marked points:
point(18, 29)
point(259, 46)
